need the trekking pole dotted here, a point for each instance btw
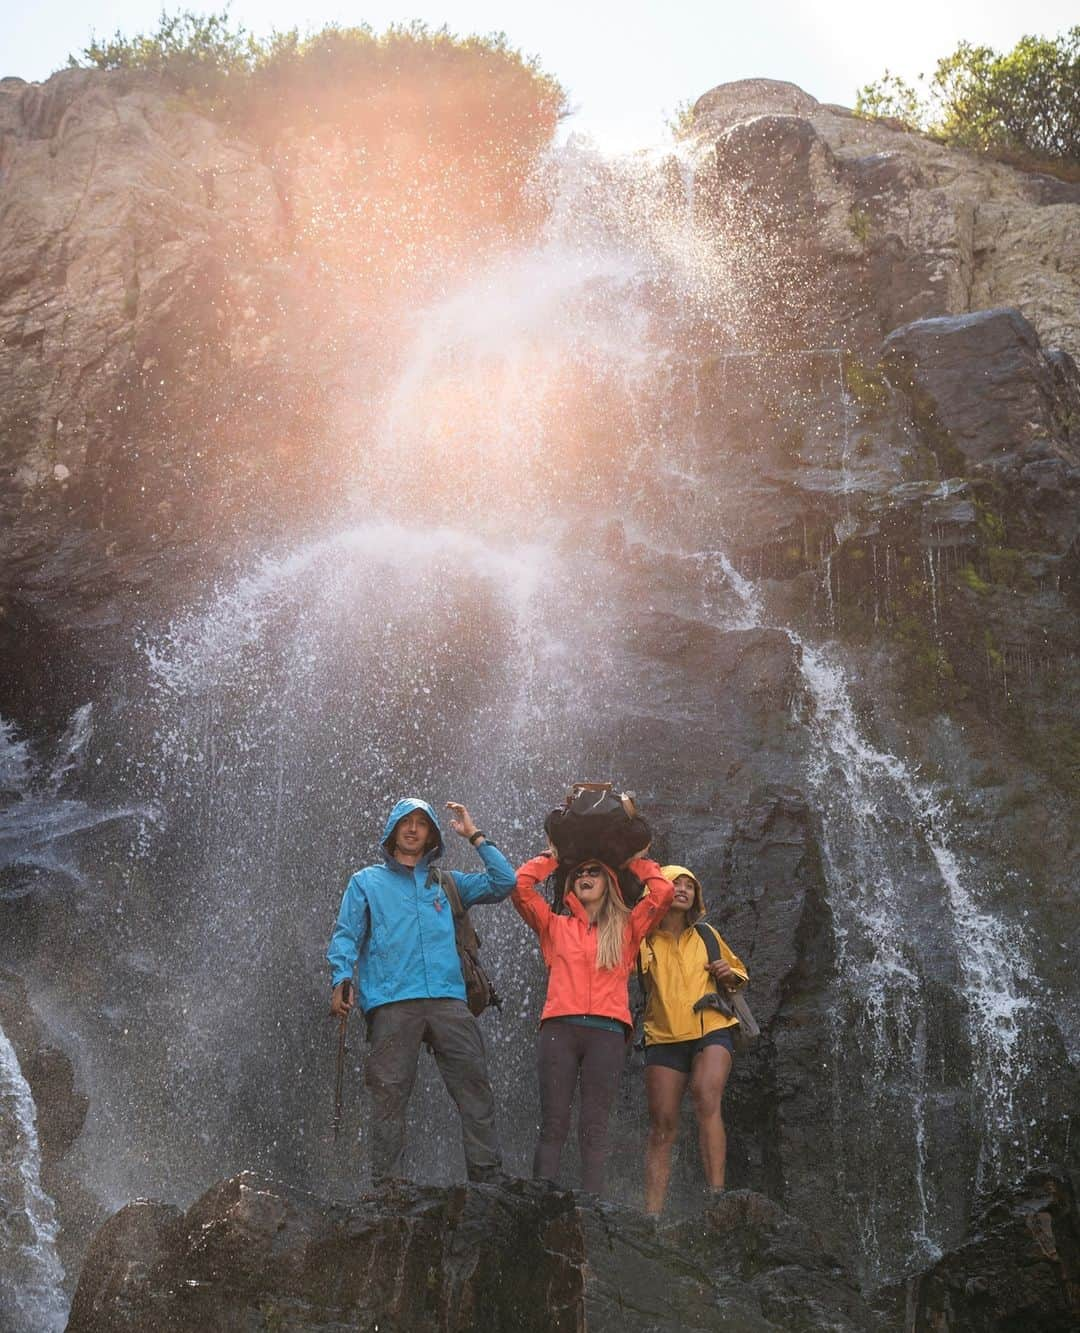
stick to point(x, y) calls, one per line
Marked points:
point(345, 991)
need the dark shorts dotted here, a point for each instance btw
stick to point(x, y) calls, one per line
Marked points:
point(680, 1054)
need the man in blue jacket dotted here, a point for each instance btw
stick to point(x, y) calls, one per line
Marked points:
point(398, 923)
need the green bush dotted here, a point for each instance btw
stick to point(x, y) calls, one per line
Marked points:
point(1023, 104)
point(441, 131)
point(454, 88)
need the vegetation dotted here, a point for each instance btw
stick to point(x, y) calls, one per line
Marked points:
point(227, 69)
point(1023, 105)
point(861, 225)
point(681, 120)
point(436, 134)
point(866, 385)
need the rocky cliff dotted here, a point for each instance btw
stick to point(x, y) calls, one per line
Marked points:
point(751, 479)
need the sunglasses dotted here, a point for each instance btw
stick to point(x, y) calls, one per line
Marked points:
point(591, 872)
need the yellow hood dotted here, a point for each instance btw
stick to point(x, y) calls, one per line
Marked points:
point(672, 873)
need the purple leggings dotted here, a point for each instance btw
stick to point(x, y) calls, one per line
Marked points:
point(564, 1051)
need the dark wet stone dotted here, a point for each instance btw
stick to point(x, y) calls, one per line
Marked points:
point(982, 381)
point(1019, 1269)
point(524, 1256)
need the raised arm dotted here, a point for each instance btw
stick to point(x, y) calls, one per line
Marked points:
point(651, 907)
point(490, 885)
point(494, 882)
point(532, 907)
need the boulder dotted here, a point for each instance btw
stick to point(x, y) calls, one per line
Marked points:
point(522, 1256)
point(732, 102)
point(912, 229)
point(983, 379)
point(1019, 1269)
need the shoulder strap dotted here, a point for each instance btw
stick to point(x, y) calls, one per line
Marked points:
point(747, 1022)
point(450, 888)
point(710, 939)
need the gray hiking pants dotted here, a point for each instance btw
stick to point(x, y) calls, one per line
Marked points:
point(447, 1026)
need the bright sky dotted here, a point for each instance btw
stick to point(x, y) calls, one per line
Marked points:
point(626, 63)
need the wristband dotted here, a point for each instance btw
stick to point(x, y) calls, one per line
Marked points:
point(473, 836)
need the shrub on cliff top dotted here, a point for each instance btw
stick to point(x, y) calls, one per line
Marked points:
point(454, 89)
point(440, 131)
point(1023, 105)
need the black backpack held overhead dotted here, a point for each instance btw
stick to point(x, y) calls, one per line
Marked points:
point(596, 821)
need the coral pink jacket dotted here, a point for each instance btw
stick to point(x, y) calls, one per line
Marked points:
point(568, 943)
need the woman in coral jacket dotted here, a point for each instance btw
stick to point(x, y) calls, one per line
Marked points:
point(589, 948)
point(688, 1036)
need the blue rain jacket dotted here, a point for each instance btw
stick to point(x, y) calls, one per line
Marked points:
point(400, 928)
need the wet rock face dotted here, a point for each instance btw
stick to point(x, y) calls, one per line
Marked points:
point(61, 1110)
point(522, 1256)
point(985, 380)
point(868, 489)
point(1019, 1269)
point(914, 229)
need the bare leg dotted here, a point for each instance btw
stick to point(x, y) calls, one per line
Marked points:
point(708, 1078)
point(664, 1090)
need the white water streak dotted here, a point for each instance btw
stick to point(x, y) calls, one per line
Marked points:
point(32, 1298)
point(849, 772)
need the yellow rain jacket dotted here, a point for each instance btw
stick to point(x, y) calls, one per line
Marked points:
point(673, 969)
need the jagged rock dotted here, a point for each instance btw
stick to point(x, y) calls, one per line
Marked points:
point(61, 1109)
point(938, 231)
point(515, 1257)
point(1020, 1268)
point(151, 307)
point(731, 102)
point(983, 379)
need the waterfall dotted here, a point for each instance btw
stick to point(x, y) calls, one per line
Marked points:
point(458, 630)
point(31, 1294)
point(879, 821)
point(38, 823)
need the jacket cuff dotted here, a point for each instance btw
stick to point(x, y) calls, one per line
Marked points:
point(644, 868)
point(540, 867)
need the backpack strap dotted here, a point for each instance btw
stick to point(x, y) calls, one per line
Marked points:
point(479, 991)
point(638, 1007)
point(464, 930)
point(710, 939)
point(448, 884)
point(736, 999)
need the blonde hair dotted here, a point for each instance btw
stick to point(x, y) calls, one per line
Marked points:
point(611, 927)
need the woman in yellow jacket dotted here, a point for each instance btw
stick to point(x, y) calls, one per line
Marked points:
point(688, 1041)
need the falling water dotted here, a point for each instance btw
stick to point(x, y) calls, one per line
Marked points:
point(456, 634)
point(38, 823)
point(31, 1294)
point(878, 821)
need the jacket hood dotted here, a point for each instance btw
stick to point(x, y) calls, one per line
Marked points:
point(406, 807)
point(672, 873)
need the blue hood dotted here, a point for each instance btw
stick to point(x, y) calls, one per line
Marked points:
point(406, 807)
